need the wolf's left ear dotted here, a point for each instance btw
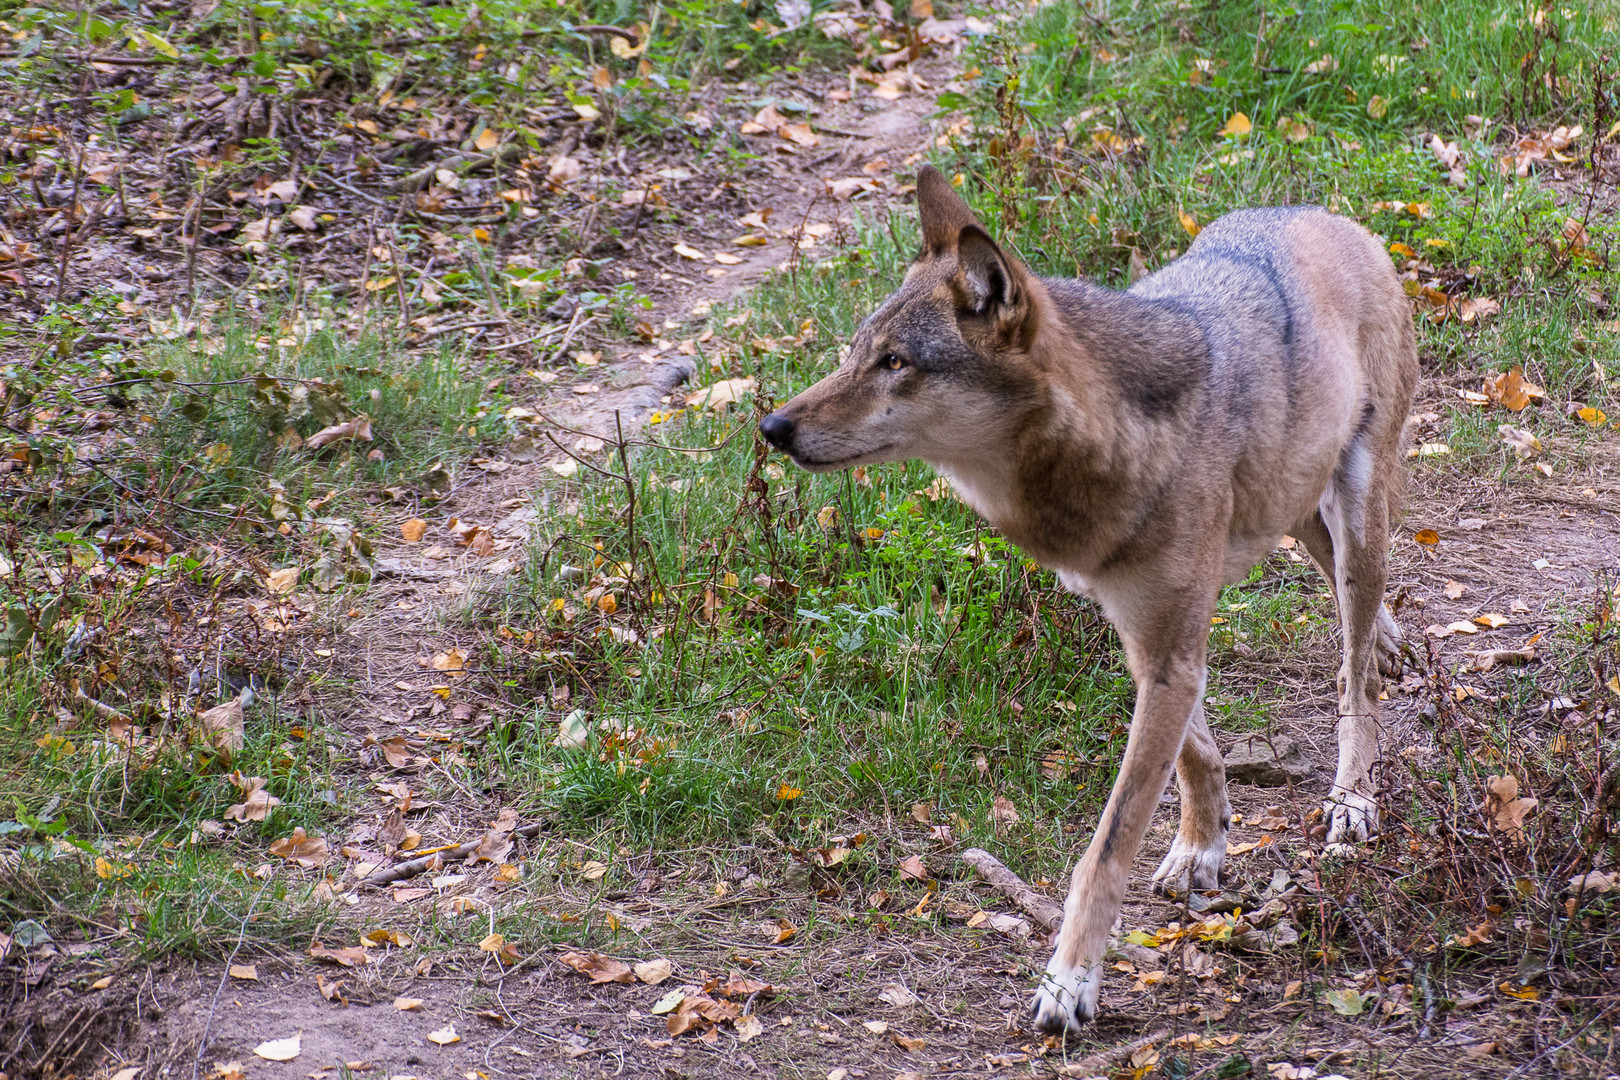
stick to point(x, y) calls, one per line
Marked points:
point(986, 280)
point(940, 210)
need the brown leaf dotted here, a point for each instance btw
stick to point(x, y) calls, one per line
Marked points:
point(412, 530)
point(652, 972)
point(494, 846)
point(222, 725)
point(739, 985)
point(1505, 806)
point(305, 850)
point(349, 956)
point(256, 802)
point(452, 660)
point(357, 428)
point(912, 867)
point(1511, 391)
point(1003, 811)
point(601, 968)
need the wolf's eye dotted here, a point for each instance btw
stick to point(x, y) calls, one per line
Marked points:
point(892, 362)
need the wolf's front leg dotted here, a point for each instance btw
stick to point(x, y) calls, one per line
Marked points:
point(1164, 701)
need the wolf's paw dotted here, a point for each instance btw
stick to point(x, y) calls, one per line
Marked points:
point(1390, 647)
point(1351, 818)
point(1190, 867)
point(1067, 997)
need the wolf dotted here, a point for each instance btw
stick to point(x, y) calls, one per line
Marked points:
point(1150, 446)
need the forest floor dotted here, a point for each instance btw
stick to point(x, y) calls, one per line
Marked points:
point(416, 666)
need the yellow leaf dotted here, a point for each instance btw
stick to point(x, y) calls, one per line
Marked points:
point(1592, 415)
point(1402, 250)
point(407, 1004)
point(444, 1036)
point(1377, 107)
point(56, 744)
point(412, 530)
point(752, 240)
point(1237, 125)
point(493, 943)
point(159, 44)
point(686, 251)
point(787, 792)
point(1189, 223)
point(1491, 620)
point(1523, 993)
point(282, 582)
point(244, 971)
point(102, 983)
point(1426, 537)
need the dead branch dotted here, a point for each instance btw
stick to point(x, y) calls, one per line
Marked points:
point(400, 871)
point(1010, 885)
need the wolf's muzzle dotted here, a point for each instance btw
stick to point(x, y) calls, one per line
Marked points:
point(778, 431)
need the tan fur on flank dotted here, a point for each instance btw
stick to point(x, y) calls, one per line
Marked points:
point(1151, 446)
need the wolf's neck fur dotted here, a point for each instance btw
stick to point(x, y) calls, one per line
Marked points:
point(1063, 486)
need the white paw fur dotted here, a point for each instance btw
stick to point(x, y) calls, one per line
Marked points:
point(1067, 997)
point(1352, 818)
point(1189, 866)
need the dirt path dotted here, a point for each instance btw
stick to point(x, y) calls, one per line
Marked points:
point(536, 1021)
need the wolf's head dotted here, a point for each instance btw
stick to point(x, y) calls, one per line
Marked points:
point(941, 371)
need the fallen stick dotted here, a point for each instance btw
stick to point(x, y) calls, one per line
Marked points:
point(1010, 885)
point(1098, 1064)
point(438, 857)
point(1048, 914)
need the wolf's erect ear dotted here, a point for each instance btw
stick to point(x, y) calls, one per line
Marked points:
point(941, 210)
point(986, 280)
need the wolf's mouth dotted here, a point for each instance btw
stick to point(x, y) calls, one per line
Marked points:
point(839, 463)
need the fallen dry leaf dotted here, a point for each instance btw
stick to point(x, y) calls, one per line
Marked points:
point(1510, 390)
point(452, 660)
point(1237, 126)
point(912, 867)
point(348, 956)
point(243, 971)
point(305, 850)
point(1002, 810)
point(282, 582)
point(1523, 443)
point(599, 967)
point(256, 802)
point(407, 1004)
point(412, 530)
point(223, 726)
point(280, 1049)
point(1506, 807)
point(721, 394)
point(357, 428)
point(653, 972)
point(444, 1036)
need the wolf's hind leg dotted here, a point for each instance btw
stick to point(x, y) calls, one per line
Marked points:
point(1199, 851)
point(1390, 646)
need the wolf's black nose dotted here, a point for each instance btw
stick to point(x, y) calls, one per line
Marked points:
point(777, 429)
